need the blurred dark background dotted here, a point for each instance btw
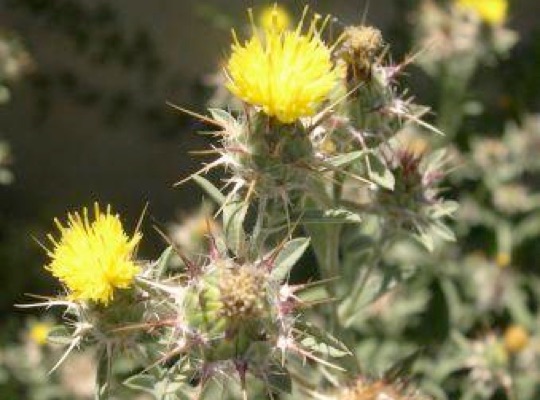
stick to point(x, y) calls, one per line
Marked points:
point(89, 122)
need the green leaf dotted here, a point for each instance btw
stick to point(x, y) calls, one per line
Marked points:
point(380, 174)
point(292, 251)
point(322, 342)
point(376, 285)
point(346, 159)
point(210, 189)
point(234, 214)
point(278, 379)
point(445, 209)
point(103, 376)
point(143, 382)
point(163, 261)
point(332, 216)
point(402, 367)
point(222, 116)
point(424, 236)
point(440, 229)
point(319, 234)
point(60, 335)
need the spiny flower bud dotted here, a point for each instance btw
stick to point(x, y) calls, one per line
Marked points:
point(267, 158)
point(414, 202)
point(414, 187)
point(237, 314)
point(227, 306)
point(375, 107)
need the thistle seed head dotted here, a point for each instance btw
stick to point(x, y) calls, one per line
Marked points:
point(243, 293)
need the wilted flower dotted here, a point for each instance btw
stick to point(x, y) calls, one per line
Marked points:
point(288, 74)
point(361, 44)
point(93, 258)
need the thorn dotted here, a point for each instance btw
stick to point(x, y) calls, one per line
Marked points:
point(192, 268)
point(214, 252)
point(196, 115)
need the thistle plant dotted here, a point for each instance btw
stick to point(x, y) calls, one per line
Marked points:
point(463, 36)
point(317, 156)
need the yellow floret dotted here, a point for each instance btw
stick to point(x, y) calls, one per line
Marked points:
point(93, 258)
point(39, 332)
point(491, 11)
point(288, 74)
point(275, 17)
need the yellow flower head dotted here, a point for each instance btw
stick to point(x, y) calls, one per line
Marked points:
point(39, 332)
point(491, 11)
point(275, 17)
point(93, 258)
point(516, 338)
point(287, 73)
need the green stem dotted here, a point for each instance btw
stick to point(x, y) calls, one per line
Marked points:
point(332, 256)
point(455, 81)
point(385, 240)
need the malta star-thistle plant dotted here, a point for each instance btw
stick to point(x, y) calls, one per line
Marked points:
point(269, 147)
point(287, 74)
point(93, 258)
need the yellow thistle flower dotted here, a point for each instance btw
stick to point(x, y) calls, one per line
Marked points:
point(491, 11)
point(39, 332)
point(503, 259)
point(275, 17)
point(93, 258)
point(516, 338)
point(288, 74)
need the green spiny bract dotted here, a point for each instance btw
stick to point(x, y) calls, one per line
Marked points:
point(415, 201)
point(228, 308)
point(234, 313)
point(373, 107)
point(267, 156)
